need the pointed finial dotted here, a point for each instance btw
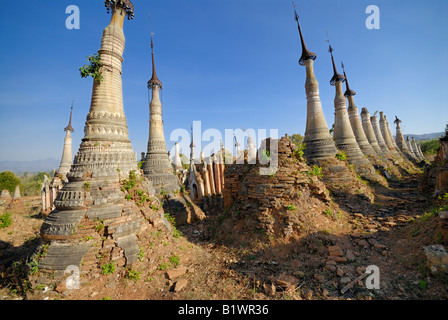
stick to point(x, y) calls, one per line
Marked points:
point(348, 92)
point(69, 127)
point(336, 76)
point(192, 144)
point(306, 54)
point(154, 80)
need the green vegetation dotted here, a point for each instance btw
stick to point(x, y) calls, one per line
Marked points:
point(108, 268)
point(341, 155)
point(430, 147)
point(131, 274)
point(328, 213)
point(9, 181)
point(265, 155)
point(291, 207)
point(316, 171)
point(297, 138)
point(87, 186)
point(175, 260)
point(92, 69)
point(5, 220)
point(32, 183)
point(172, 220)
point(164, 266)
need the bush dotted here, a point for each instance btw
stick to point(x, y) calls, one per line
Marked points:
point(9, 181)
point(430, 146)
point(341, 155)
point(5, 220)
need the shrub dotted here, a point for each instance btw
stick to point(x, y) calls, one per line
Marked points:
point(341, 155)
point(5, 220)
point(9, 181)
point(108, 268)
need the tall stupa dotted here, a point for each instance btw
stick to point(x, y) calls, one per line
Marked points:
point(157, 167)
point(91, 210)
point(319, 144)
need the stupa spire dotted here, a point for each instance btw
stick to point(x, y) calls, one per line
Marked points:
point(336, 76)
point(348, 92)
point(154, 81)
point(306, 54)
point(66, 159)
point(69, 127)
point(343, 133)
point(318, 141)
point(157, 167)
point(355, 122)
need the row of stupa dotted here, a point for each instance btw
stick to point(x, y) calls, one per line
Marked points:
point(92, 190)
point(364, 140)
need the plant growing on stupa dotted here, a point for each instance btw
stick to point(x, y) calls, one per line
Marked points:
point(92, 69)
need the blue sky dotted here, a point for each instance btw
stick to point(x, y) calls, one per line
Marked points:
point(231, 64)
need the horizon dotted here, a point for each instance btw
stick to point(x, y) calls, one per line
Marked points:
point(228, 68)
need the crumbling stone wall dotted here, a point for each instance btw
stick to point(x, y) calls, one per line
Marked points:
point(270, 203)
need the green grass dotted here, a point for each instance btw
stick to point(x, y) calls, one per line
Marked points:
point(108, 268)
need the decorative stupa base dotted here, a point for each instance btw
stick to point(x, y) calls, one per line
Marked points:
point(167, 182)
point(356, 158)
point(103, 227)
point(319, 149)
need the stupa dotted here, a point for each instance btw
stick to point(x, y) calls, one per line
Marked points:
point(319, 144)
point(157, 167)
point(355, 122)
point(343, 134)
point(91, 210)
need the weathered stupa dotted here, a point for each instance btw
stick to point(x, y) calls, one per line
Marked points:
point(343, 134)
point(411, 148)
point(157, 167)
point(369, 132)
point(389, 131)
point(401, 143)
point(318, 142)
point(66, 160)
point(379, 137)
point(418, 149)
point(177, 162)
point(355, 122)
point(387, 136)
point(92, 217)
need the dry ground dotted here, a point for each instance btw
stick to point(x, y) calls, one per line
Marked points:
point(390, 234)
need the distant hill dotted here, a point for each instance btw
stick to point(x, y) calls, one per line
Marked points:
point(426, 136)
point(29, 166)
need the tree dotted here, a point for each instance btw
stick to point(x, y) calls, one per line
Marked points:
point(33, 183)
point(430, 146)
point(297, 138)
point(9, 181)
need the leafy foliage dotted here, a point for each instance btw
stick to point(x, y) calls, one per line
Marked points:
point(9, 181)
point(341, 155)
point(297, 138)
point(31, 183)
point(5, 220)
point(430, 146)
point(92, 69)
